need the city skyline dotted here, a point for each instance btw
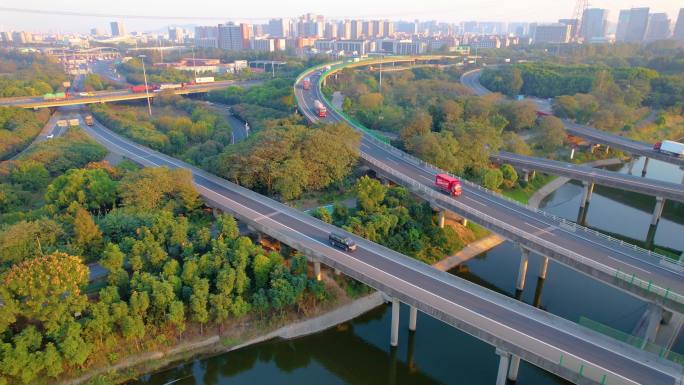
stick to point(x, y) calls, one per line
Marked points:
point(440, 10)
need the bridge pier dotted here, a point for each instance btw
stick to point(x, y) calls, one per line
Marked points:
point(631, 166)
point(514, 368)
point(504, 358)
point(657, 211)
point(536, 302)
point(317, 269)
point(586, 197)
point(525, 175)
point(394, 332)
point(413, 318)
point(522, 271)
point(572, 153)
point(643, 172)
point(441, 216)
point(543, 269)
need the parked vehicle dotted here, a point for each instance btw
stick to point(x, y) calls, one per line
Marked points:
point(342, 242)
point(449, 184)
point(89, 120)
point(50, 136)
point(306, 83)
point(670, 147)
point(321, 111)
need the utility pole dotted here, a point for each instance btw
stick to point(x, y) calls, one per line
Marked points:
point(147, 90)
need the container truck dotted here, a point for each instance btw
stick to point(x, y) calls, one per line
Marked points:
point(56, 96)
point(670, 147)
point(448, 184)
point(62, 123)
point(321, 111)
point(141, 88)
point(74, 122)
point(205, 79)
point(306, 84)
point(89, 120)
point(170, 86)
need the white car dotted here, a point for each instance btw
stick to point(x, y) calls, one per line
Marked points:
point(50, 136)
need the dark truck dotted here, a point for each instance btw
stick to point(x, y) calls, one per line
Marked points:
point(342, 242)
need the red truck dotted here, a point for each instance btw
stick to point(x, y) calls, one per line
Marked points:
point(321, 111)
point(448, 184)
point(142, 88)
point(306, 84)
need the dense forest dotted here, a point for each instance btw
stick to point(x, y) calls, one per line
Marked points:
point(18, 127)
point(174, 269)
point(29, 74)
point(434, 117)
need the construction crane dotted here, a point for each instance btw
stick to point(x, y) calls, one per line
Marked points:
point(577, 15)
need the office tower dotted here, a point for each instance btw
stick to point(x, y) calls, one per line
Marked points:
point(594, 21)
point(117, 28)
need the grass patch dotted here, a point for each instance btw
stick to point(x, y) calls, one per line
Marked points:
point(524, 191)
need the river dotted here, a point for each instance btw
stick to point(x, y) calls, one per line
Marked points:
point(358, 352)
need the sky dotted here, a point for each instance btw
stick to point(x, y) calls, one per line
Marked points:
point(261, 10)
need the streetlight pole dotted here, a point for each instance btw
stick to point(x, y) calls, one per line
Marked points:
point(147, 90)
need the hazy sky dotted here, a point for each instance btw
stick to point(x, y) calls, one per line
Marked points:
point(256, 11)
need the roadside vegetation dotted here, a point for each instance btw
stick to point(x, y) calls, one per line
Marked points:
point(612, 88)
point(29, 74)
point(18, 128)
point(175, 270)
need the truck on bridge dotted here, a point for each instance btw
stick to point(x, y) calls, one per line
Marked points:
point(321, 111)
point(449, 184)
point(670, 147)
point(142, 88)
point(57, 96)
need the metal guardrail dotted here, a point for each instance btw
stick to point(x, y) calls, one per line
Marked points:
point(666, 293)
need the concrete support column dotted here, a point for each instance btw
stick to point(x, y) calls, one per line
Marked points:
point(522, 271)
point(588, 190)
point(631, 166)
point(441, 218)
point(317, 270)
point(464, 222)
point(657, 211)
point(643, 172)
point(504, 357)
point(544, 268)
point(413, 318)
point(607, 149)
point(394, 332)
point(338, 272)
point(655, 315)
point(526, 175)
point(572, 153)
point(513, 369)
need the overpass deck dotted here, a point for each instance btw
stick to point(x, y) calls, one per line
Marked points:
point(673, 191)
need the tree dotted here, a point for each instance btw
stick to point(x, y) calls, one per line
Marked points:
point(73, 347)
point(323, 214)
point(25, 240)
point(520, 115)
point(198, 302)
point(31, 175)
point(370, 100)
point(551, 133)
point(261, 266)
point(133, 329)
point(176, 316)
point(112, 257)
point(510, 176)
point(419, 124)
point(492, 179)
point(512, 142)
point(227, 227)
point(48, 289)
point(370, 193)
point(87, 236)
point(93, 189)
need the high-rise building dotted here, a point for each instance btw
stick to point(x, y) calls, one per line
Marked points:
point(389, 28)
point(96, 31)
point(378, 28)
point(245, 35)
point(206, 37)
point(636, 25)
point(623, 24)
point(6, 37)
point(117, 28)
point(21, 37)
point(331, 31)
point(556, 33)
point(356, 29)
point(344, 30)
point(368, 30)
point(594, 21)
point(176, 34)
point(679, 27)
point(408, 27)
point(230, 37)
point(573, 23)
point(658, 27)
point(279, 27)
